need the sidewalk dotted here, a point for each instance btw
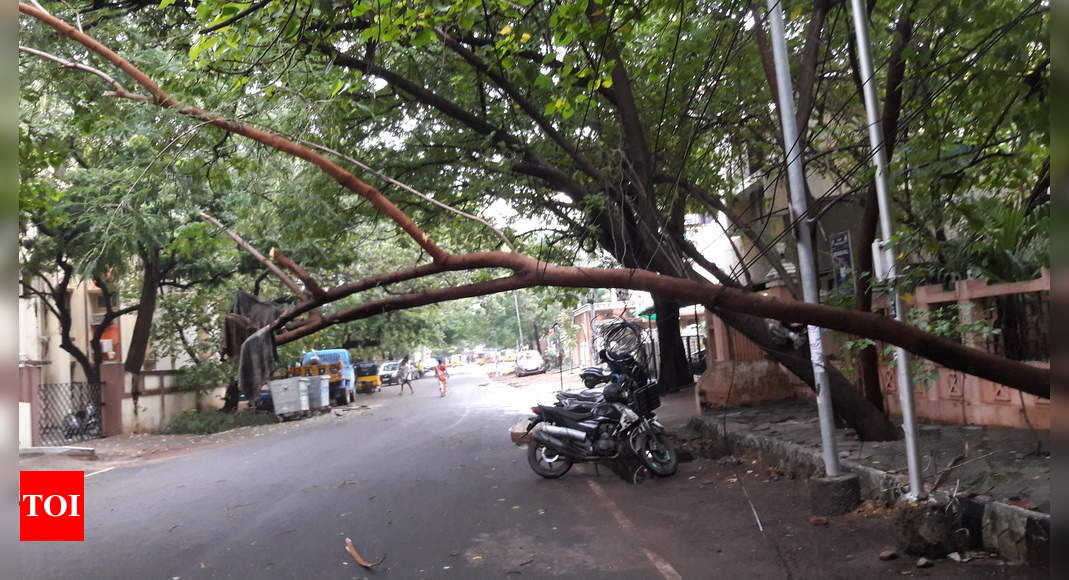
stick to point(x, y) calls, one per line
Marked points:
point(132, 448)
point(1000, 476)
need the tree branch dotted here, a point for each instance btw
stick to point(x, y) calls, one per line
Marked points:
point(163, 99)
point(413, 191)
point(716, 204)
point(310, 283)
point(530, 272)
point(286, 280)
point(1040, 193)
point(531, 110)
point(626, 108)
point(236, 17)
point(118, 89)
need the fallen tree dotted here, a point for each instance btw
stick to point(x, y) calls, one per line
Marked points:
point(528, 272)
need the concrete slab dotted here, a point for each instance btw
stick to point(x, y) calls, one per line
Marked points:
point(67, 450)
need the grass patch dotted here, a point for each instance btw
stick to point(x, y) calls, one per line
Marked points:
point(212, 421)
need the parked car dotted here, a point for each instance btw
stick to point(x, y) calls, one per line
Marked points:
point(529, 362)
point(389, 372)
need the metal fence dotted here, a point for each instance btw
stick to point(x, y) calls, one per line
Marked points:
point(70, 412)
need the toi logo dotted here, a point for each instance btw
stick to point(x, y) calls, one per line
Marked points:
point(51, 506)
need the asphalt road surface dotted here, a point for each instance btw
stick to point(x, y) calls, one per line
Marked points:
point(435, 487)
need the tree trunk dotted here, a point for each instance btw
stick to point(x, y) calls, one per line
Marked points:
point(92, 371)
point(231, 398)
point(537, 343)
point(867, 358)
point(139, 338)
point(673, 373)
point(869, 422)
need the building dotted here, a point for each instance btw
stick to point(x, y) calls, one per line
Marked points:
point(52, 385)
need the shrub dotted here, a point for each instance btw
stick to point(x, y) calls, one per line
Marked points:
point(213, 421)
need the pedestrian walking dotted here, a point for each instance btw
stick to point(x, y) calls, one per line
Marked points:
point(443, 377)
point(404, 374)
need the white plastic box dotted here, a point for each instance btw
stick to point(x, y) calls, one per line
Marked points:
point(290, 396)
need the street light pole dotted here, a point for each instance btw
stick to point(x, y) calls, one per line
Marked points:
point(884, 264)
point(806, 263)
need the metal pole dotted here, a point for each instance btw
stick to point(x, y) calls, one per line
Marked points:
point(593, 347)
point(886, 256)
point(519, 325)
point(806, 263)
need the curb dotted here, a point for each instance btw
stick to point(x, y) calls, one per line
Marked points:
point(1015, 533)
point(69, 451)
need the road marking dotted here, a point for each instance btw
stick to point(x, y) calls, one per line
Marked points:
point(100, 471)
point(463, 416)
point(658, 562)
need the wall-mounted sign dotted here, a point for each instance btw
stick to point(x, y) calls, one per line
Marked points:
point(842, 257)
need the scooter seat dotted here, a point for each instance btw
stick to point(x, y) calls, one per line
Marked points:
point(584, 395)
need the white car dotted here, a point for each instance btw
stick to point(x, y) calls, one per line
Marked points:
point(389, 372)
point(529, 362)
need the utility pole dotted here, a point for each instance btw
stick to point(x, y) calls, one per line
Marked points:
point(799, 206)
point(883, 254)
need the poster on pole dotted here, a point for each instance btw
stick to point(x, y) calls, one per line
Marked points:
point(842, 258)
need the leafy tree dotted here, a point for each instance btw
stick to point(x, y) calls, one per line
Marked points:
point(609, 120)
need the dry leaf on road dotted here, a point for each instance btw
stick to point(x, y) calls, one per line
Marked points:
point(360, 559)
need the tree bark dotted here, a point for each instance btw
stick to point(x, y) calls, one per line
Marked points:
point(673, 372)
point(139, 338)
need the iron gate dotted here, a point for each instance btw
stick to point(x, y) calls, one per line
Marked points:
point(69, 412)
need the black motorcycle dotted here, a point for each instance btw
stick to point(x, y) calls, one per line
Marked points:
point(599, 426)
point(622, 367)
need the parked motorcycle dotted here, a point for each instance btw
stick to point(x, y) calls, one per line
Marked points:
point(622, 366)
point(83, 423)
point(594, 426)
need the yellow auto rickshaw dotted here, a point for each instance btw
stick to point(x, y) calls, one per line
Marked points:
point(367, 376)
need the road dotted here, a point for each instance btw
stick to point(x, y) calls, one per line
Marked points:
point(434, 485)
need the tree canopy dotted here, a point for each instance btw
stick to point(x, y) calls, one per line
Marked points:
point(603, 122)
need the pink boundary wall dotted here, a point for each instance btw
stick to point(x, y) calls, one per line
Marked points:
point(955, 397)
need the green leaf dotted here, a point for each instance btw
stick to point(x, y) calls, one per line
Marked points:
point(339, 85)
point(425, 37)
point(204, 43)
point(166, 3)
